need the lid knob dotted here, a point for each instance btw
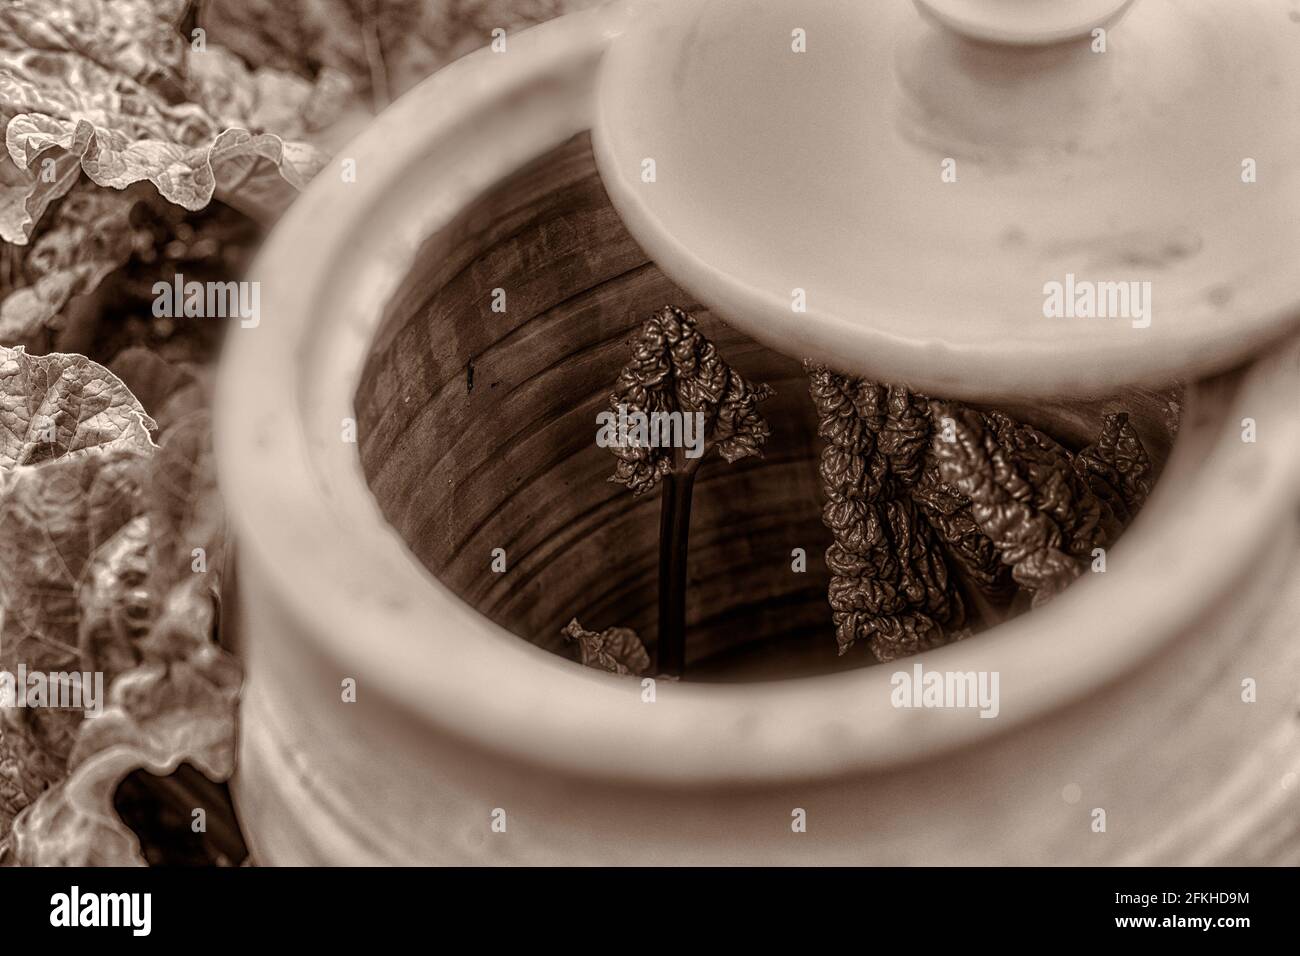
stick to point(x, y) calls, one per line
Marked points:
point(1021, 22)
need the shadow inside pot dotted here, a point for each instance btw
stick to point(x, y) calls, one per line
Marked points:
point(476, 424)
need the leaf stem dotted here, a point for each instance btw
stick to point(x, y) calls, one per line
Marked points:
point(674, 535)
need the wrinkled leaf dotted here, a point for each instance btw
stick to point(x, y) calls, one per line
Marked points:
point(384, 47)
point(64, 406)
point(179, 705)
point(1026, 497)
point(616, 649)
point(931, 526)
point(136, 38)
point(74, 445)
point(674, 368)
point(891, 585)
point(88, 238)
point(33, 756)
point(25, 194)
point(1116, 465)
point(115, 607)
point(140, 610)
point(75, 84)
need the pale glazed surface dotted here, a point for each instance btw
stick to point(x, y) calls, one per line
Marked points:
point(1024, 22)
point(821, 171)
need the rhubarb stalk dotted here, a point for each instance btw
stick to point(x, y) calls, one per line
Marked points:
point(678, 387)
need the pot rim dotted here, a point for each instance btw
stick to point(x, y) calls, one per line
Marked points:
point(313, 539)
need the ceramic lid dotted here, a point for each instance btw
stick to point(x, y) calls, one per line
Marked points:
point(980, 198)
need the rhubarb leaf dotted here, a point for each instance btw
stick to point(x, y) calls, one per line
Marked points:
point(178, 705)
point(1116, 465)
point(674, 369)
point(890, 583)
point(105, 83)
point(616, 649)
point(88, 237)
point(1005, 495)
point(384, 48)
point(74, 445)
point(940, 510)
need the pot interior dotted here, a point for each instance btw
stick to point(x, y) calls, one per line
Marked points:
point(476, 429)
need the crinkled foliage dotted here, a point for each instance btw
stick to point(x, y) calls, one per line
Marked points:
point(178, 705)
point(890, 581)
point(1044, 509)
point(99, 530)
point(74, 451)
point(110, 546)
point(1116, 467)
point(616, 649)
point(111, 89)
point(940, 511)
point(384, 48)
point(80, 244)
point(674, 368)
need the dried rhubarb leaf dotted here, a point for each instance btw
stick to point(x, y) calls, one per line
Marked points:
point(1059, 490)
point(975, 556)
point(104, 83)
point(615, 649)
point(938, 509)
point(891, 586)
point(675, 369)
point(1117, 466)
point(1008, 500)
point(178, 706)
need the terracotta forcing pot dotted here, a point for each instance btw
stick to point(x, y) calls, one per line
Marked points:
point(383, 430)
